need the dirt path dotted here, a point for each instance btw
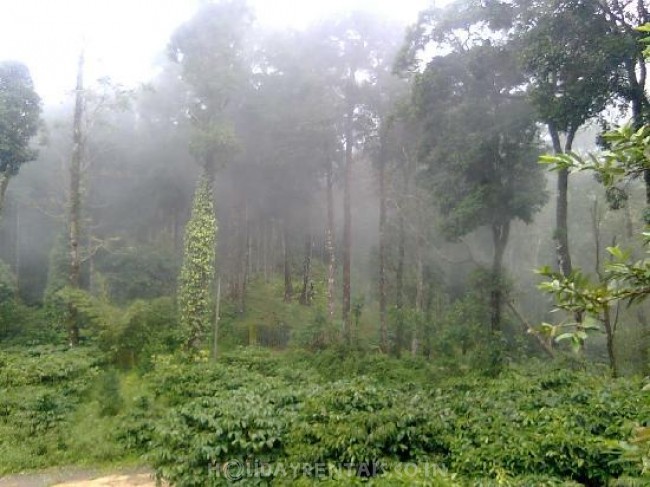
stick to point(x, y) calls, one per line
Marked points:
point(73, 477)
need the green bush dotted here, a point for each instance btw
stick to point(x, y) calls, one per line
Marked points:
point(557, 426)
point(10, 309)
point(337, 414)
point(109, 395)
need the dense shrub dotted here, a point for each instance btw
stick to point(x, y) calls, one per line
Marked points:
point(338, 417)
point(10, 316)
point(41, 390)
point(559, 425)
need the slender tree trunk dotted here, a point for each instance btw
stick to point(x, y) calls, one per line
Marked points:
point(401, 255)
point(215, 331)
point(245, 262)
point(546, 344)
point(329, 240)
point(258, 247)
point(347, 222)
point(399, 283)
point(4, 184)
point(74, 204)
point(17, 247)
point(383, 325)
point(305, 294)
point(500, 234)
point(288, 287)
point(267, 242)
point(609, 332)
point(561, 216)
point(419, 287)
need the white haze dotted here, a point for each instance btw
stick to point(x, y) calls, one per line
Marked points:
point(123, 38)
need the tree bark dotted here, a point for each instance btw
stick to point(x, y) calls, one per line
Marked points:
point(305, 294)
point(500, 234)
point(383, 326)
point(245, 262)
point(4, 184)
point(17, 247)
point(545, 344)
point(288, 287)
point(215, 331)
point(329, 239)
point(347, 217)
point(562, 206)
point(74, 204)
point(419, 285)
point(609, 332)
point(401, 255)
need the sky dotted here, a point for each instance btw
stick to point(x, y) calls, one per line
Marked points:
point(123, 38)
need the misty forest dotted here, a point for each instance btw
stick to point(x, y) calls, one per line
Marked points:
point(359, 252)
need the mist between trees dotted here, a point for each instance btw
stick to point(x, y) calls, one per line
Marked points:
point(385, 178)
point(395, 245)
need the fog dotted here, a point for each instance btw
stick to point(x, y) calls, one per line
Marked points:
point(277, 103)
point(344, 242)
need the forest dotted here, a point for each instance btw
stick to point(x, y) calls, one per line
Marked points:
point(358, 252)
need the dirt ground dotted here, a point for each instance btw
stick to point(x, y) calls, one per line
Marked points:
point(140, 480)
point(80, 478)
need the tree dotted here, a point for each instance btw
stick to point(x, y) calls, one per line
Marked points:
point(480, 144)
point(19, 121)
point(359, 48)
point(566, 49)
point(197, 274)
point(210, 51)
point(623, 278)
point(571, 58)
point(74, 202)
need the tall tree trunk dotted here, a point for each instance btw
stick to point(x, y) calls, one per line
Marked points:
point(17, 247)
point(259, 237)
point(4, 184)
point(288, 287)
point(329, 239)
point(609, 333)
point(419, 283)
point(383, 325)
point(347, 221)
point(74, 204)
point(399, 283)
point(245, 261)
point(562, 206)
point(305, 294)
point(266, 243)
point(401, 255)
point(215, 331)
point(500, 234)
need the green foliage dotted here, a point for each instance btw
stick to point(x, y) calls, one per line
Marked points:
point(270, 321)
point(9, 306)
point(461, 105)
point(626, 156)
point(41, 389)
point(333, 414)
point(109, 396)
point(195, 293)
point(552, 425)
point(131, 335)
point(572, 57)
point(622, 279)
point(137, 273)
point(19, 116)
